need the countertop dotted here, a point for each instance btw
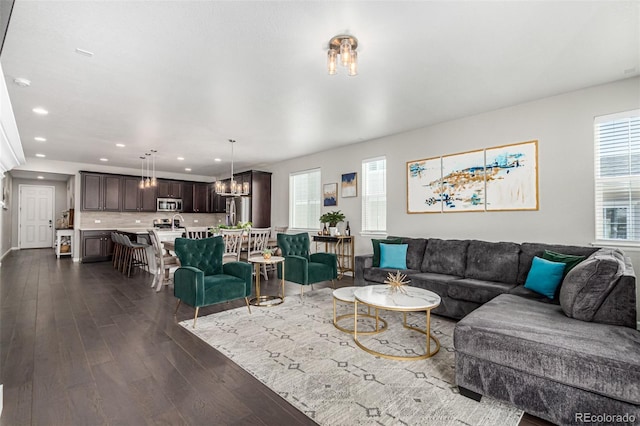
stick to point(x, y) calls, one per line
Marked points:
point(140, 230)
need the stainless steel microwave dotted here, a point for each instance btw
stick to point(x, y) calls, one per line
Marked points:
point(169, 205)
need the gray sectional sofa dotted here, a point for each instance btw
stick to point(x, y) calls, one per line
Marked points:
point(562, 359)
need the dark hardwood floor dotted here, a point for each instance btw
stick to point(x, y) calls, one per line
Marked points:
point(81, 344)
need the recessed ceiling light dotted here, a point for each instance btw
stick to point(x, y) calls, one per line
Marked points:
point(40, 155)
point(40, 177)
point(104, 159)
point(217, 159)
point(22, 82)
point(83, 52)
point(40, 139)
point(120, 145)
point(187, 169)
point(41, 111)
point(180, 158)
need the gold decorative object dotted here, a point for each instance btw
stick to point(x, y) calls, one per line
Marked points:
point(396, 282)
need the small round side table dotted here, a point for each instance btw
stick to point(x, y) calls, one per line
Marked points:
point(266, 300)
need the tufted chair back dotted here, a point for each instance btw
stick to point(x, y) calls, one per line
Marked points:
point(294, 245)
point(204, 254)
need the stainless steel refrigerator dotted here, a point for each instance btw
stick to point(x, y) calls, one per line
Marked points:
point(238, 209)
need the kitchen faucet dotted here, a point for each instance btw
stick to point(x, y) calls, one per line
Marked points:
point(173, 223)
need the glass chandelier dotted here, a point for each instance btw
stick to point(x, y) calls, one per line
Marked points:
point(345, 46)
point(236, 189)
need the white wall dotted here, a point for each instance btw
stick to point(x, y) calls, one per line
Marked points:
point(562, 124)
point(5, 219)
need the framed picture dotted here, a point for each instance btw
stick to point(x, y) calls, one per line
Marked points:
point(349, 185)
point(512, 177)
point(463, 182)
point(330, 194)
point(424, 186)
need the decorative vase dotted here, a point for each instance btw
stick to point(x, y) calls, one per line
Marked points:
point(333, 231)
point(266, 255)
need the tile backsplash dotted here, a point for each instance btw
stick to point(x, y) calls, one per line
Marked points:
point(112, 220)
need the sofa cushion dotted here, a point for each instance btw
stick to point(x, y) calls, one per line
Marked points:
point(545, 276)
point(519, 290)
point(493, 261)
point(529, 250)
point(588, 284)
point(376, 248)
point(537, 338)
point(445, 257)
point(477, 291)
point(393, 256)
point(415, 252)
point(379, 275)
point(438, 283)
point(570, 261)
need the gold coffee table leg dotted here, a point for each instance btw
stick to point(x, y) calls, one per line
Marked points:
point(337, 319)
point(427, 332)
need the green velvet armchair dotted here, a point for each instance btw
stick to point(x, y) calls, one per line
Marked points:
point(302, 267)
point(204, 280)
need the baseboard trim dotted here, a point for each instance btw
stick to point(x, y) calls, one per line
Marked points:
point(7, 252)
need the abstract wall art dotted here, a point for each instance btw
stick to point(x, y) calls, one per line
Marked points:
point(424, 186)
point(330, 194)
point(463, 182)
point(512, 177)
point(349, 185)
point(492, 179)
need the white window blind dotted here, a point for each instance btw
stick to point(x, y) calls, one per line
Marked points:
point(374, 195)
point(304, 199)
point(617, 161)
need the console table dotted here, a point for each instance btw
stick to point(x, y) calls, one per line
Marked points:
point(342, 247)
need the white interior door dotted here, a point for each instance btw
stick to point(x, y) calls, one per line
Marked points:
point(36, 216)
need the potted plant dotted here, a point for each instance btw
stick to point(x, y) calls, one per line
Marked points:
point(266, 253)
point(332, 218)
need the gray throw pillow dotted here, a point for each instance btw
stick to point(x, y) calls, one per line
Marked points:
point(586, 286)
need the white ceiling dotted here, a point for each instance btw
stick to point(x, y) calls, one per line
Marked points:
point(183, 77)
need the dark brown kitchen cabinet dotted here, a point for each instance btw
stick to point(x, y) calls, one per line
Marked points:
point(136, 199)
point(169, 188)
point(96, 246)
point(195, 197)
point(101, 192)
point(201, 198)
point(187, 197)
point(260, 190)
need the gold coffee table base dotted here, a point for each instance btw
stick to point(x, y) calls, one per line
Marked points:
point(337, 319)
point(349, 300)
point(259, 301)
point(426, 332)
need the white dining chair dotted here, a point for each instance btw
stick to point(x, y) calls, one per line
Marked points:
point(163, 262)
point(232, 244)
point(196, 232)
point(258, 238)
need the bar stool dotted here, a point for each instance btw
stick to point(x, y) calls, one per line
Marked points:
point(136, 256)
point(117, 250)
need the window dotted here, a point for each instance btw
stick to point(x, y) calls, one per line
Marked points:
point(617, 145)
point(305, 195)
point(374, 195)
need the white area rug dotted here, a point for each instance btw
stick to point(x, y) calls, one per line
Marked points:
point(296, 351)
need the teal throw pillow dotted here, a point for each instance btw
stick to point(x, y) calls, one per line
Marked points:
point(544, 276)
point(393, 256)
point(569, 260)
point(376, 248)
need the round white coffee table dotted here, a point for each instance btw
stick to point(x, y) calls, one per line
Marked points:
point(410, 299)
point(345, 295)
point(266, 300)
